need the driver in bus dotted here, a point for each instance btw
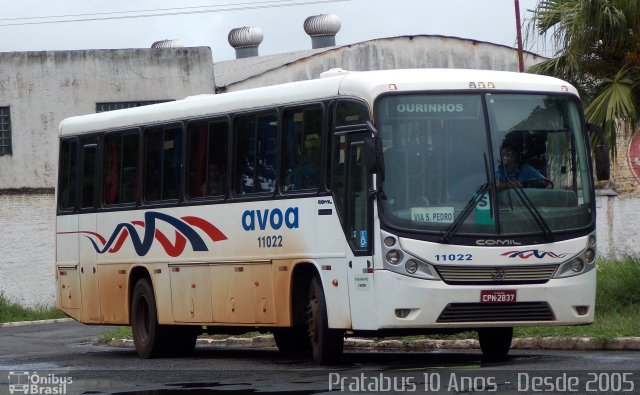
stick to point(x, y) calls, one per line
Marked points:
point(512, 172)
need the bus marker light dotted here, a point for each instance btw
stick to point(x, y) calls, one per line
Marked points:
point(592, 240)
point(122, 272)
point(367, 270)
point(326, 267)
point(334, 282)
point(239, 269)
point(157, 271)
point(282, 268)
point(393, 87)
point(175, 269)
point(193, 285)
point(256, 283)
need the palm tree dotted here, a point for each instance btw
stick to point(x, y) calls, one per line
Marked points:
point(599, 53)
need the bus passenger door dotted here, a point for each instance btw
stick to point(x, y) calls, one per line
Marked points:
point(89, 295)
point(357, 225)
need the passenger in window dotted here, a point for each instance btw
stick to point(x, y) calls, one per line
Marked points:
point(513, 173)
point(214, 185)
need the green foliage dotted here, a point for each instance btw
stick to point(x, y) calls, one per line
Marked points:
point(599, 53)
point(12, 312)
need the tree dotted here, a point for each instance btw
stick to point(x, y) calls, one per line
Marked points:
point(599, 53)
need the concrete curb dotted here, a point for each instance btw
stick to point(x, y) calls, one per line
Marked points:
point(39, 322)
point(356, 344)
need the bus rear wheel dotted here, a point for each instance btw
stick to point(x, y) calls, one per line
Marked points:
point(150, 338)
point(495, 343)
point(326, 344)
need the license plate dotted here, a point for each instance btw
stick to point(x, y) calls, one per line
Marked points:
point(498, 296)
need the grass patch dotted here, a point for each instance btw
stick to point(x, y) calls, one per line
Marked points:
point(617, 300)
point(121, 332)
point(12, 312)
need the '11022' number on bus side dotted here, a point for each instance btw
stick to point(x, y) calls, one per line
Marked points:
point(270, 241)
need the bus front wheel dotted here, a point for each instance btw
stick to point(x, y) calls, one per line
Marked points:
point(149, 337)
point(495, 343)
point(326, 344)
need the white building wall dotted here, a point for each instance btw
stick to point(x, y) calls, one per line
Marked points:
point(27, 251)
point(43, 88)
point(618, 224)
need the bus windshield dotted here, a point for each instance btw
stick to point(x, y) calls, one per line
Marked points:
point(516, 163)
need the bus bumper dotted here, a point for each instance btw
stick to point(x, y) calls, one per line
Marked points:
point(408, 302)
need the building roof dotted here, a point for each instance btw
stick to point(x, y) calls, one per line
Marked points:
point(433, 50)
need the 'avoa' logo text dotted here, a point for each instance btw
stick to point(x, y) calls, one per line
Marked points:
point(270, 218)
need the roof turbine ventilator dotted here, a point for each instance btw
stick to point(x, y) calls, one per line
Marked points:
point(245, 40)
point(322, 29)
point(168, 44)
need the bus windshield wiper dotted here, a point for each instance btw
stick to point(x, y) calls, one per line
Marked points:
point(535, 213)
point(466, 211)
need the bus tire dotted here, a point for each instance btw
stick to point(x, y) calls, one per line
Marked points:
point(326, 344)
point(495, 343)
point(149, 338)
point(292, 341)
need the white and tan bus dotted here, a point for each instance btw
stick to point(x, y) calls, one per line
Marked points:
point(358, 204)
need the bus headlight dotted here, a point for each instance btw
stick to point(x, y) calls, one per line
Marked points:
point(396, 260)
point(590, 255)
point(411, 266)
point(577, 265)
point(393, 257)
point(582, 263)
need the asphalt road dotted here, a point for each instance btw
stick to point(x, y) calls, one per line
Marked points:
point(62, 358)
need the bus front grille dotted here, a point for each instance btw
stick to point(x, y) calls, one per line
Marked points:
point(498, 312)
point(496, 274)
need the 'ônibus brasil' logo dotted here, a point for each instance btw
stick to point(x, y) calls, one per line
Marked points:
point(184, 230)
point(526, 254)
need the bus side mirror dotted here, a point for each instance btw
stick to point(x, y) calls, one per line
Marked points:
point(601, 154)
point(373, 152)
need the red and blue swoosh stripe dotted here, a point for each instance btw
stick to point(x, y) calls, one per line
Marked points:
point(526, 254)
point(184, 230)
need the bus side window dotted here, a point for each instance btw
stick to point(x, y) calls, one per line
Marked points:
point(302, 149)
point(162, 163)
point(121, 167)
point(68, 171)
point(207, 159)
point(89, 153)
point(255, 162)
